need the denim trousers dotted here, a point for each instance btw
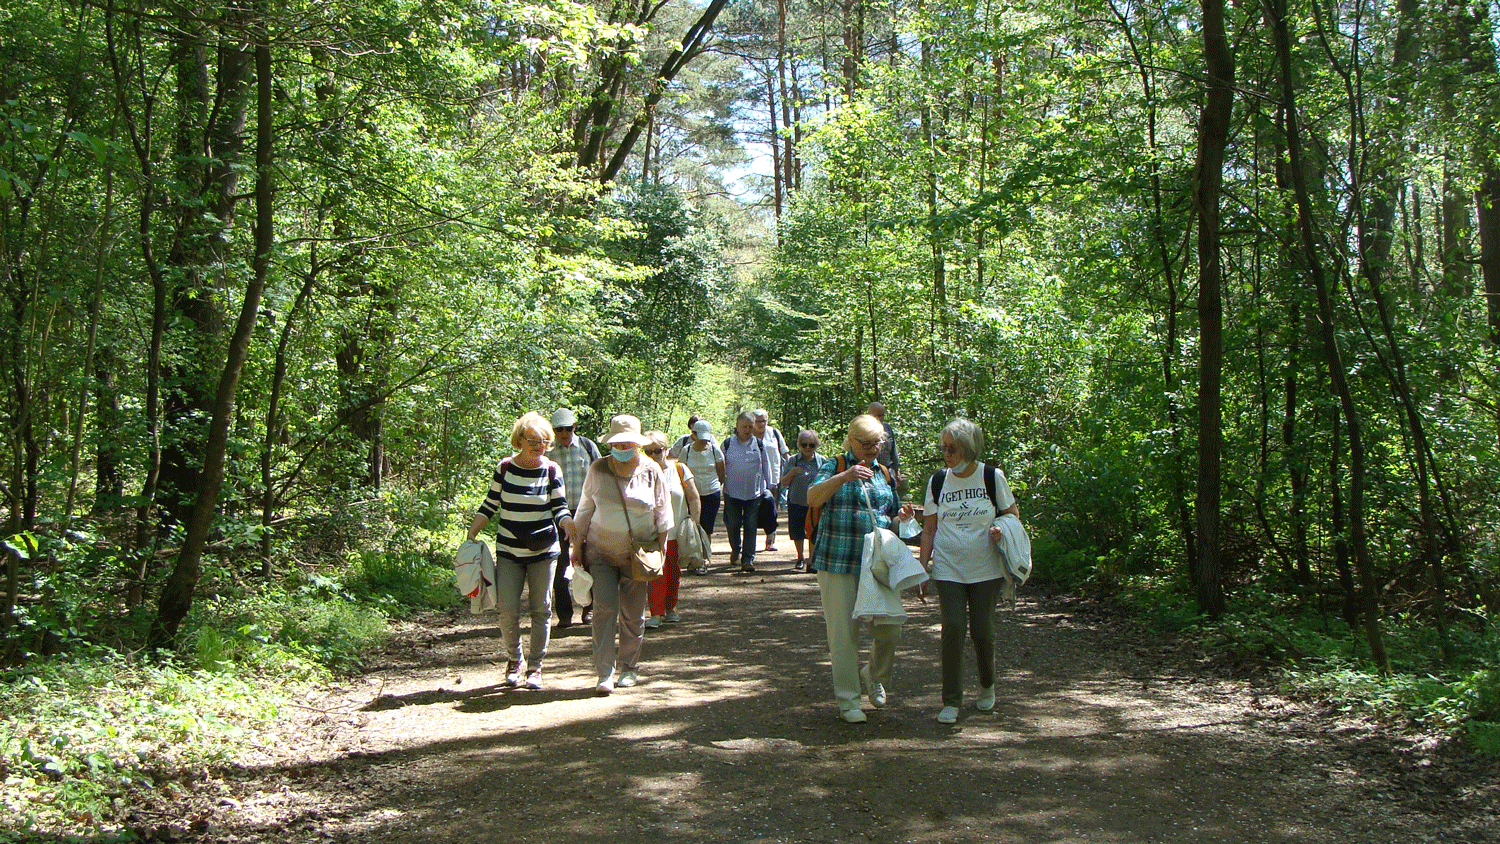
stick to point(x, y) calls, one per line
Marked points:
point(740, 519)
point(537, 580)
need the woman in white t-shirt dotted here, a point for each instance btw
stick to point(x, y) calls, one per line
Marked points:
point(705, 459)
point(958, 535)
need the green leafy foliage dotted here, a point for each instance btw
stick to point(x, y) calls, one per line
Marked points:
point(81, 738)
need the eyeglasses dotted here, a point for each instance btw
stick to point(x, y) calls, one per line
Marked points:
point(540, 443)
point(951, 449)
point(653, 451)
point(875, 443)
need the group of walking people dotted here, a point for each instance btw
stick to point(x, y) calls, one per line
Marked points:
point(559, 503)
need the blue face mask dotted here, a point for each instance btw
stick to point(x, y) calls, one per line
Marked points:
point(623, 455)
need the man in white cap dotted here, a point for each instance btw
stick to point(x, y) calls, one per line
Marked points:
point(573, 453)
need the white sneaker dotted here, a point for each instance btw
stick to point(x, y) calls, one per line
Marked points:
point(853, 716)
point(672, 616)
point(949, 715)
point(534, 679)
point(986, 700)
point(875, 691)
point(515, 670)
point(606, 686)
point(628, 679)
point(653, 622)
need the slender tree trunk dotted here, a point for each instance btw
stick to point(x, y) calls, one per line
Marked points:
point(788, 157)
point(693, 44)
point(1213, 139)
point(96, 308)
point(1306, 227)
point(177, 592)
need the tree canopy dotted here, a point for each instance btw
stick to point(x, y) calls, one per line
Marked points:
point(1220, 282)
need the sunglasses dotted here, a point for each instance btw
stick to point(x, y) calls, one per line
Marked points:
point(653, 451)
point(563, 428)
point(807, 445)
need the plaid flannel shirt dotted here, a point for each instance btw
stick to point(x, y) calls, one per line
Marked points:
point(846, 519)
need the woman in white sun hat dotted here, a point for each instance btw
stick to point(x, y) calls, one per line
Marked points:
point(624, 501)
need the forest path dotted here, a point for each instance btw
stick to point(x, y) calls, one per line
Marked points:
point(1100, 735)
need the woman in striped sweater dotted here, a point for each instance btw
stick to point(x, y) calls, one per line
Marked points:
point(527, 501)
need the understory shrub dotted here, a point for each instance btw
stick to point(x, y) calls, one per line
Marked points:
point(1319, 657)
point(81, 736)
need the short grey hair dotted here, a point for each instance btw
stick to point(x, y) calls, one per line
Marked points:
point(967, 436)
point(748, 416)
point(760, 413)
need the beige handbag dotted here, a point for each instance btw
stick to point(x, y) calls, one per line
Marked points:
point(648, 560)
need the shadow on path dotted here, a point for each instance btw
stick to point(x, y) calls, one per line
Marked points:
point(733, 736)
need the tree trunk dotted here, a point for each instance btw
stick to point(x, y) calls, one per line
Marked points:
point(1306, 228)
point(177, 592)
point(693, 44)
point(1213, 139)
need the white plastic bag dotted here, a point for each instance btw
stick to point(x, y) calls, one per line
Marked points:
point(581, 586)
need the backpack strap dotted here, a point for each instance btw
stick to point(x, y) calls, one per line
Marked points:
point(990, 484)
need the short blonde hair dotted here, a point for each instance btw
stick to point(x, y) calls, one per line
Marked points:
point(533, 425)
point(863, 427)
point(658, 438)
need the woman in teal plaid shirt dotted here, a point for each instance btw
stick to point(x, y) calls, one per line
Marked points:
point(854, 501)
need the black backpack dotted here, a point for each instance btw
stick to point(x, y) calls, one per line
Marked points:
point(989, 485)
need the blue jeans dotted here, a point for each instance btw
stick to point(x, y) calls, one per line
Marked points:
point(740, 520)
point(537, 579)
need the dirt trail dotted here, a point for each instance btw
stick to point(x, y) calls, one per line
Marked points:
point(1099, 736)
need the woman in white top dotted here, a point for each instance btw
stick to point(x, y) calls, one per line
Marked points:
point(705, 459)
point(661, 593)
point(624, 501)
point(958, 536)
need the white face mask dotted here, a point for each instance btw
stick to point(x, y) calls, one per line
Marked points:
point(963, 467)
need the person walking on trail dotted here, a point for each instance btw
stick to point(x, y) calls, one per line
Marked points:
point(770, 503)
point(961, 506)
point(797, 474)
point(685, 440)
point(856, 495)
point(661, 593)
point(624, 501)
point(747, 478)
point(573, 453)
point(705, 459)
point(888, 456)
point(526, 500)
